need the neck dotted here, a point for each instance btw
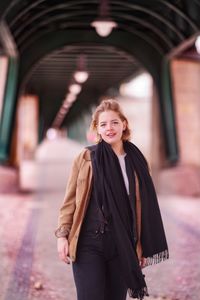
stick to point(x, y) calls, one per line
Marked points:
point(118, 148)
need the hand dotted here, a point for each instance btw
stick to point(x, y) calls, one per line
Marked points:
point(143, 262)
point(63, 249)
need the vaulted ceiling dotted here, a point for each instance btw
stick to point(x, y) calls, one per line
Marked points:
point(49, 36)
point(107, 67)
point(162, 23)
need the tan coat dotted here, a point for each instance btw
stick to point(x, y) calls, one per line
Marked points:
point(76, 201)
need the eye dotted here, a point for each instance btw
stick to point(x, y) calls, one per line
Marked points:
point(115, 122)
point(102, 125)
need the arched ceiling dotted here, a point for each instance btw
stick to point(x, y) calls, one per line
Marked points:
point(50, 31)
point(162, 23)
point(107, 67)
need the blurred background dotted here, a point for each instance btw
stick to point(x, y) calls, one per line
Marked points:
point(58, 60)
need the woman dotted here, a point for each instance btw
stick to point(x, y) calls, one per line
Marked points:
point(109, 223)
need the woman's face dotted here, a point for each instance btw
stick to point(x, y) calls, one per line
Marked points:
point(110, 127)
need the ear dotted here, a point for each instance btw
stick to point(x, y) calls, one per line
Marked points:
point(124, 125)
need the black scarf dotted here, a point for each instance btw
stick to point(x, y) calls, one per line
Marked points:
point(111, 194)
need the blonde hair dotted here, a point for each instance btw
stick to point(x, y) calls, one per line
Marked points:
point(106, 105)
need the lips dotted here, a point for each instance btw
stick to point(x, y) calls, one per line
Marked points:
point(111, 135)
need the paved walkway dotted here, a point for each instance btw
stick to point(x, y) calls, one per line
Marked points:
point(30, 267)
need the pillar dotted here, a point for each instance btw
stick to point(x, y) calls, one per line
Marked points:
point(185, 177)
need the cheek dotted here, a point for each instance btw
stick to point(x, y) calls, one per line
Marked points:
point(120, 130)
point(100, 130)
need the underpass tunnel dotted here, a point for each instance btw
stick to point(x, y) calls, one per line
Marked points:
point(149, 60)
point(46, 100)
point(41, 45)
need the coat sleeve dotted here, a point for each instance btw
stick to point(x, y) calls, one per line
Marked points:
point(68, 206)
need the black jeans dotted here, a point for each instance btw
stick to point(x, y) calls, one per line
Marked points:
point(96, 269)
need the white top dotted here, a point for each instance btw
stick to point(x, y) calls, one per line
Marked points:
point(123, 168)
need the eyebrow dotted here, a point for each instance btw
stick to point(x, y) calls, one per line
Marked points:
point(111, 121)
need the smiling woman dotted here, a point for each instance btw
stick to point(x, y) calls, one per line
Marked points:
point(110, 123)
point(109, 223)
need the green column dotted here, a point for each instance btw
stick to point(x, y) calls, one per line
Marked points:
point(8, 112)
point(167, 112)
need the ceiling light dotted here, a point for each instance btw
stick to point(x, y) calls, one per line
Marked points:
point(75, 88)
point(104, 26)
point(63, 110)
point(70, 98)
point(197, 44)
point(66, 104)
point(51, 134)
point(81, 76)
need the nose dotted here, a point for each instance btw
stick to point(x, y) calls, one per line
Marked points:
point(109, 126)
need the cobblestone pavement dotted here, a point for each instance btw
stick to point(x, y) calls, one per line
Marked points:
point(30, 267)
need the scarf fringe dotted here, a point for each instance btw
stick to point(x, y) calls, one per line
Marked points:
point(138, 294)
point(157, 258)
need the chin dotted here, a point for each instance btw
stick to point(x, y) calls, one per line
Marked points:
point(112, 142)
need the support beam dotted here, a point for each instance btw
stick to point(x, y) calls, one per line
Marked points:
point(8, 115)
point(167, 114)
point(7, 40)
point(183, 46)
